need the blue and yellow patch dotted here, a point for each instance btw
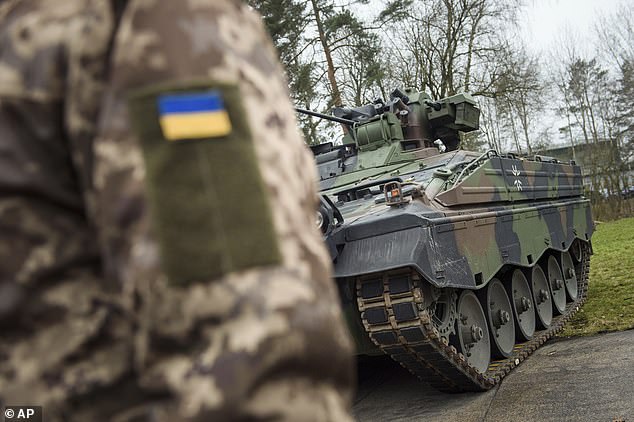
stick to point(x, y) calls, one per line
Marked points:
point(201, 240)
point(193, 115)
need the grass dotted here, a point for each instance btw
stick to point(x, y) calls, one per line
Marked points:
point(610, 304)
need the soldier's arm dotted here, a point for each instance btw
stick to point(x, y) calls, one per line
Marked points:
point(54, 316)
point(231, 273)
point(44, 225)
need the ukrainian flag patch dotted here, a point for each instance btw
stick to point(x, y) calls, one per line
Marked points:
point(193, 115)
point(211, 216)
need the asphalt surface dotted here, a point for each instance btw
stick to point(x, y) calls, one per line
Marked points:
point(582, 379)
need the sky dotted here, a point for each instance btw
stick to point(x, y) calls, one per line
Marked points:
point(543, 22)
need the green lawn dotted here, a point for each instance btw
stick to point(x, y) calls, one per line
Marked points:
point(610, 304)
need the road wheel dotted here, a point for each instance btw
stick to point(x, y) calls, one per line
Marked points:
point(472, 335)
point(570, 276)
point(575, 250)
point(499, 313)
point(541, 297)
point(556, 285)
point(519, 293)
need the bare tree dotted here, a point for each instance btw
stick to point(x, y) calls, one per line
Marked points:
point(616, 35)
point(522, 89)
point(450, 45)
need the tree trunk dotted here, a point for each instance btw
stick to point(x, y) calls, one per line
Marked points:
point(336, 94)
point(523, 115)
point(472, 35)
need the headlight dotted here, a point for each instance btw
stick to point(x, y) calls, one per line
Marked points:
point(319, 220)
point(326, 215)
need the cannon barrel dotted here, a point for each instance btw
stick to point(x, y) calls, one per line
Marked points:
point(326, 116)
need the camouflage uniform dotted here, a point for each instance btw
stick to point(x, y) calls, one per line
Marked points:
point(90, 325)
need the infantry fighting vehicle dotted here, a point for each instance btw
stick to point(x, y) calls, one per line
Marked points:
point(456, 264)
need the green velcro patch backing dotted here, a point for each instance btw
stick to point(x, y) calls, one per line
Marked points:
point(208, 202)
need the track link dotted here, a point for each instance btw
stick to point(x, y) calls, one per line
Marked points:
point(393, 313)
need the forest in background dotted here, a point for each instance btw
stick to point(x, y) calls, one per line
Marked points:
point(351, 52)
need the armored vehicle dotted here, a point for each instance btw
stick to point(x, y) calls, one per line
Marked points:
point(456, 264)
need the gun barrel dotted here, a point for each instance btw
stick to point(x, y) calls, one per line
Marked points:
point(325, 116)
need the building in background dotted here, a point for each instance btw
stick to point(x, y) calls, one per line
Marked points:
point(606, 170)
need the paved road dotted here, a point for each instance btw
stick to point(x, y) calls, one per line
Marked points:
point(584, 379)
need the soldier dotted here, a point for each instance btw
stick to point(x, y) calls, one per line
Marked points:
point(158, 256)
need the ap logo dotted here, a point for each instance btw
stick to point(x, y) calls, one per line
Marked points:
point(23, 413)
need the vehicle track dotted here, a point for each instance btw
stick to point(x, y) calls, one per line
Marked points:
point(392, 310)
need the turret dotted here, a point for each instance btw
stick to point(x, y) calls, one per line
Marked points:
point(413, 119)
point(405, 128)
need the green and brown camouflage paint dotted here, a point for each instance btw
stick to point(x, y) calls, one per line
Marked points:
point(470, 217)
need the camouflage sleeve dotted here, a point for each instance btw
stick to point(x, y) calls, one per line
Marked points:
point(94, 324)
point(255, 343)
point(38, 176)
point(53, 312)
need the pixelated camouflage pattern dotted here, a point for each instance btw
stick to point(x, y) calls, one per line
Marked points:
point(90, 328)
